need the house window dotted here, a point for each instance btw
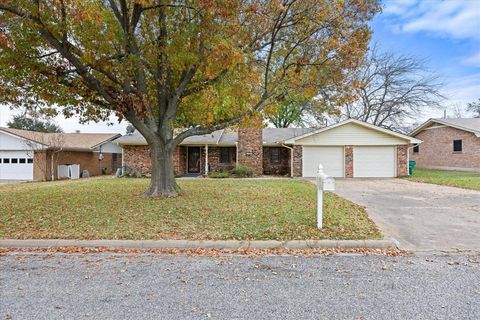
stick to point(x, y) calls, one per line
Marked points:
point(22, 160)
point(29, 160)
point(14, 160)
point(6, 160)
point(275, 155)
point(457, 145)
point(416, 149)
point(225, 155)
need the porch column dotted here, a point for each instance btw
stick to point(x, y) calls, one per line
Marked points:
point(236, 154)
point(206, 159)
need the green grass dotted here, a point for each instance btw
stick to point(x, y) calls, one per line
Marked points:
point(108, 208)
point(460, 179)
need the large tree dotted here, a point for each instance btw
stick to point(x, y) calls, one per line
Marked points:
point(34, 117)
point(474, 107)
point(189, 65)
point(287, 112)
point(33, 124)
point(390, 91)
point(393, 89)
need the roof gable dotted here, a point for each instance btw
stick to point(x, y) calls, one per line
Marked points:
point(67, 141)
point(352, 132)
point(9, 141)
point(466, 124)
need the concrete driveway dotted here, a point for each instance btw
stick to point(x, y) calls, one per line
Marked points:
point(420, 216)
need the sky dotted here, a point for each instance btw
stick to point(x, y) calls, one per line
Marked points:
point(445, 33)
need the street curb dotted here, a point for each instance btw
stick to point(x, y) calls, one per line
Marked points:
point(202, 244)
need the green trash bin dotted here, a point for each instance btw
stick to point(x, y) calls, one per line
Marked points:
point(411, 166)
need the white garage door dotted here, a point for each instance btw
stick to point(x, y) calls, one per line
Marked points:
point(331, 158)
point(16, 165)
point(376, 161)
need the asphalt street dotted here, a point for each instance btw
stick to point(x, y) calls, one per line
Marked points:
point(147, 286)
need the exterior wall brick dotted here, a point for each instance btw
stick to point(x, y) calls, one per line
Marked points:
point(348, 161)
point(41, 166)
point(138, 163)
point(116, 162)
point(179, 160)
point(214, 164)
point(282, 168)
point(250, 148)
point(402, 160)
point(297, 161)
point(436, 151)
point(87, 161)
point(137, 160)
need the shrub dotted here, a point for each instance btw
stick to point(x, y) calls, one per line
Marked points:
point(218, 175)
point(242, 171)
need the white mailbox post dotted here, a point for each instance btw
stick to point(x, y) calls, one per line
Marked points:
point(324, 183)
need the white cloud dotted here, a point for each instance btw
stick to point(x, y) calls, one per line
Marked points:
point(473, 60)
point(455, 19)
point(458, 19)
point(463, 89)
point(398, 7)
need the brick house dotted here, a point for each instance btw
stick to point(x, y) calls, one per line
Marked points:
point(452, 144)
point(347, 149)
point(32, 156)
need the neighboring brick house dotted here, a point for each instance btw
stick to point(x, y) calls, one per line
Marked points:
point(347, 149)
point(28, 155)
point(452, 144)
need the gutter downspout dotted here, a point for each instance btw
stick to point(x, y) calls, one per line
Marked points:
point(291, 158)
point(52, 169)
point(52, 163)
point(408, 155)
point(100, 161)
point(52, 172)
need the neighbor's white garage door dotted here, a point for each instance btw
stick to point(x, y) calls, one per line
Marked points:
point(331, 158)
point(378, 161)
point(16, 165)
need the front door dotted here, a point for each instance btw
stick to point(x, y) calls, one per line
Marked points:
point(193, 160)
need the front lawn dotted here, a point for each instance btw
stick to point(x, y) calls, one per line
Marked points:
point(461, 179)
point(109, 208)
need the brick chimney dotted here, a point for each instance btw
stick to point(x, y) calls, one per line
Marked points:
point(250, 145)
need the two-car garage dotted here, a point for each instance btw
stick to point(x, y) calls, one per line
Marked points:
point(354, 149)
point(368, 161)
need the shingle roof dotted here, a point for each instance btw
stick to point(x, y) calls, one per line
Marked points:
point(467, 124)
point(67, 141)
point(223, 137)
point(137, 139)
point(211, 138)
point(274, 135)
point(359, 123)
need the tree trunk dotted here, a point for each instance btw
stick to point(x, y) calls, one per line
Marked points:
point(162, 183)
